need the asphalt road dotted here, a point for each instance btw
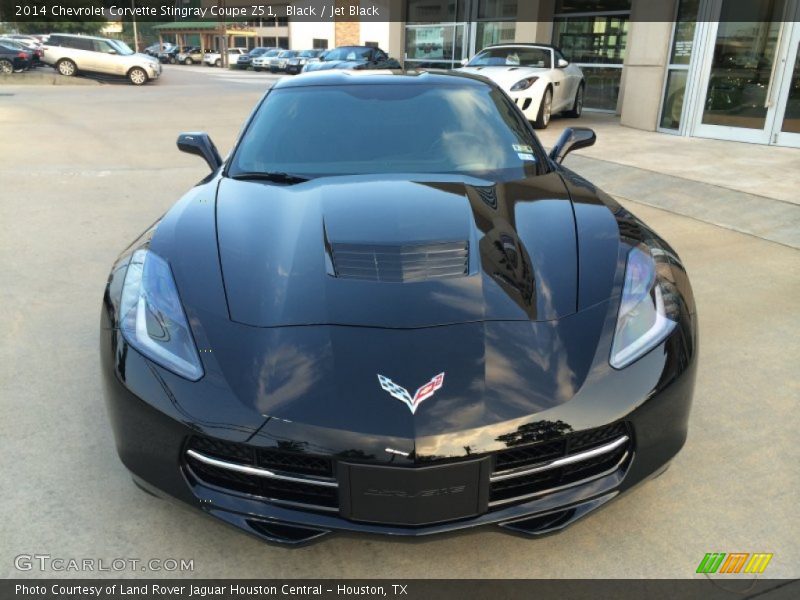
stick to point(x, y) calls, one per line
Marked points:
point(83, 170)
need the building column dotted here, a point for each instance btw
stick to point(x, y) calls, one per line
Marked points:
point(347, 33)
point(535, 21)
point(646, 62)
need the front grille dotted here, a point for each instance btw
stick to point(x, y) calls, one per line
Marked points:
point(527, 455)
point(522, 473)
point(286, 477)
point(307, 481)
point(397, 264)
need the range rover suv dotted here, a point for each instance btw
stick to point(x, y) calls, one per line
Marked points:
point(72, 54)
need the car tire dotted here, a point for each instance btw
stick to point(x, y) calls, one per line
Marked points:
point(137, 76)
point(66, 67)
point(545, 110)
point(218, 62)
point(577, 107)
point(172, 60)
point(6, 67)
point(257, 69)
point(188, 61)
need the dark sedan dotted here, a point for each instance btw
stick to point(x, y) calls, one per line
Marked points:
point(396, 329)
point(353, 57)
point(14, 59)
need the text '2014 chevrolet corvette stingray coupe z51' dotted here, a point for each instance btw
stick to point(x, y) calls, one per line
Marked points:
point(390, 311)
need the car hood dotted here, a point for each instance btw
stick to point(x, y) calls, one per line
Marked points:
point(396, 252)
point(505, 76)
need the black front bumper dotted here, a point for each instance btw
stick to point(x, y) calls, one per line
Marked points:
point(154, 438)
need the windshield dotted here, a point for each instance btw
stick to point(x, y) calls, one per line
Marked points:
point(347, 53)
point(308, 132)
point(270, 53)
point(309, 53)
point(122, 47)
point(513, 57)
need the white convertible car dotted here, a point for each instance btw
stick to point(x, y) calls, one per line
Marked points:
point(537, 77)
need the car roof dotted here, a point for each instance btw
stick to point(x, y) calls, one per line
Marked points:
point(335, 77)
point(81, 37)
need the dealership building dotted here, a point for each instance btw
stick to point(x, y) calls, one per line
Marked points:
point(725, 69)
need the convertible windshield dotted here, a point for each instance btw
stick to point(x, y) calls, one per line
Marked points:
point(366, 129)
point(513, 57)
point(347, 53)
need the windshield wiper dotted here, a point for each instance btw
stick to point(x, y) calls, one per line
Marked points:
point(276, 176)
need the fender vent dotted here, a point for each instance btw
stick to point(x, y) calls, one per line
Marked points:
point(398, 264)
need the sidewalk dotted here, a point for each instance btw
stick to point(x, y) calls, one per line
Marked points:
point(744, 187)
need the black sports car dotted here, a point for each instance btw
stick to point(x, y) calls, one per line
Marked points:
point(352, 57)
point(418, 325)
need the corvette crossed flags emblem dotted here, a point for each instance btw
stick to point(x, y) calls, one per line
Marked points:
point(401, 393)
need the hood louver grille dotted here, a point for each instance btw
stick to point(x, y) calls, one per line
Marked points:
point(398, 264)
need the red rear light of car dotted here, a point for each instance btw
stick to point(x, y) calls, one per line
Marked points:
point(22, 55)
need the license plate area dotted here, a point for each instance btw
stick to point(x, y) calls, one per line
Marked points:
point(413, 496)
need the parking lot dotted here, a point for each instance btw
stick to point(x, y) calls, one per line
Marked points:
point(85, 169)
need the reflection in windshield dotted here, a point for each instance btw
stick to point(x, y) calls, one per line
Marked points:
point(347, 54)
point(414, 128)
point(121, 47)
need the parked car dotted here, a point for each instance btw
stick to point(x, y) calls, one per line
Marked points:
point(262, 61)
point(155, 49)
point(536, 76)
point(214, 58)
point(422, 324)
point(34, 49)
point(353, 57)
point(278, 63)
point(245, 61)
point(171, 56)
point(296, 63)
point(71, 54)
point(191, 56)
point(13, 59)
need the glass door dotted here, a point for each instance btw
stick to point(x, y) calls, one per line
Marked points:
point(787, 124)
point(741, 69)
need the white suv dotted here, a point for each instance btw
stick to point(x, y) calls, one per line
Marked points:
point(215, 58)
point(70, 54)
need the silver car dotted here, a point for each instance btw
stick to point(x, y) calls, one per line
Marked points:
point(71, 54)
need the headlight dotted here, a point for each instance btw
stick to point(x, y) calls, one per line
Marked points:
point(649, 308)
point(523, 84)
point(152, 318)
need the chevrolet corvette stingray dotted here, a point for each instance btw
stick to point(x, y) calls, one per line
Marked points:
point(389, 311)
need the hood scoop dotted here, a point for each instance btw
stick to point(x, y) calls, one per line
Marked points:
point(399, 263)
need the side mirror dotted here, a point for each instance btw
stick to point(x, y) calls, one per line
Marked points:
point(464, 62)
point(573, 138)
point(563, 63)
point(200, 144)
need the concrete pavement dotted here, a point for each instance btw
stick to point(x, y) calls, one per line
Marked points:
point(83, 170)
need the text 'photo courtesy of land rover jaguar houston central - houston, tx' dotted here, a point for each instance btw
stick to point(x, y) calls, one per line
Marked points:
point(418, 325)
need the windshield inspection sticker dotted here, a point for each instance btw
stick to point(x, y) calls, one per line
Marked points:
point(526, 156)
point(521, 148)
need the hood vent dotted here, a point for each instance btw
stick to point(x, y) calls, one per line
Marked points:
point(399, 264)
